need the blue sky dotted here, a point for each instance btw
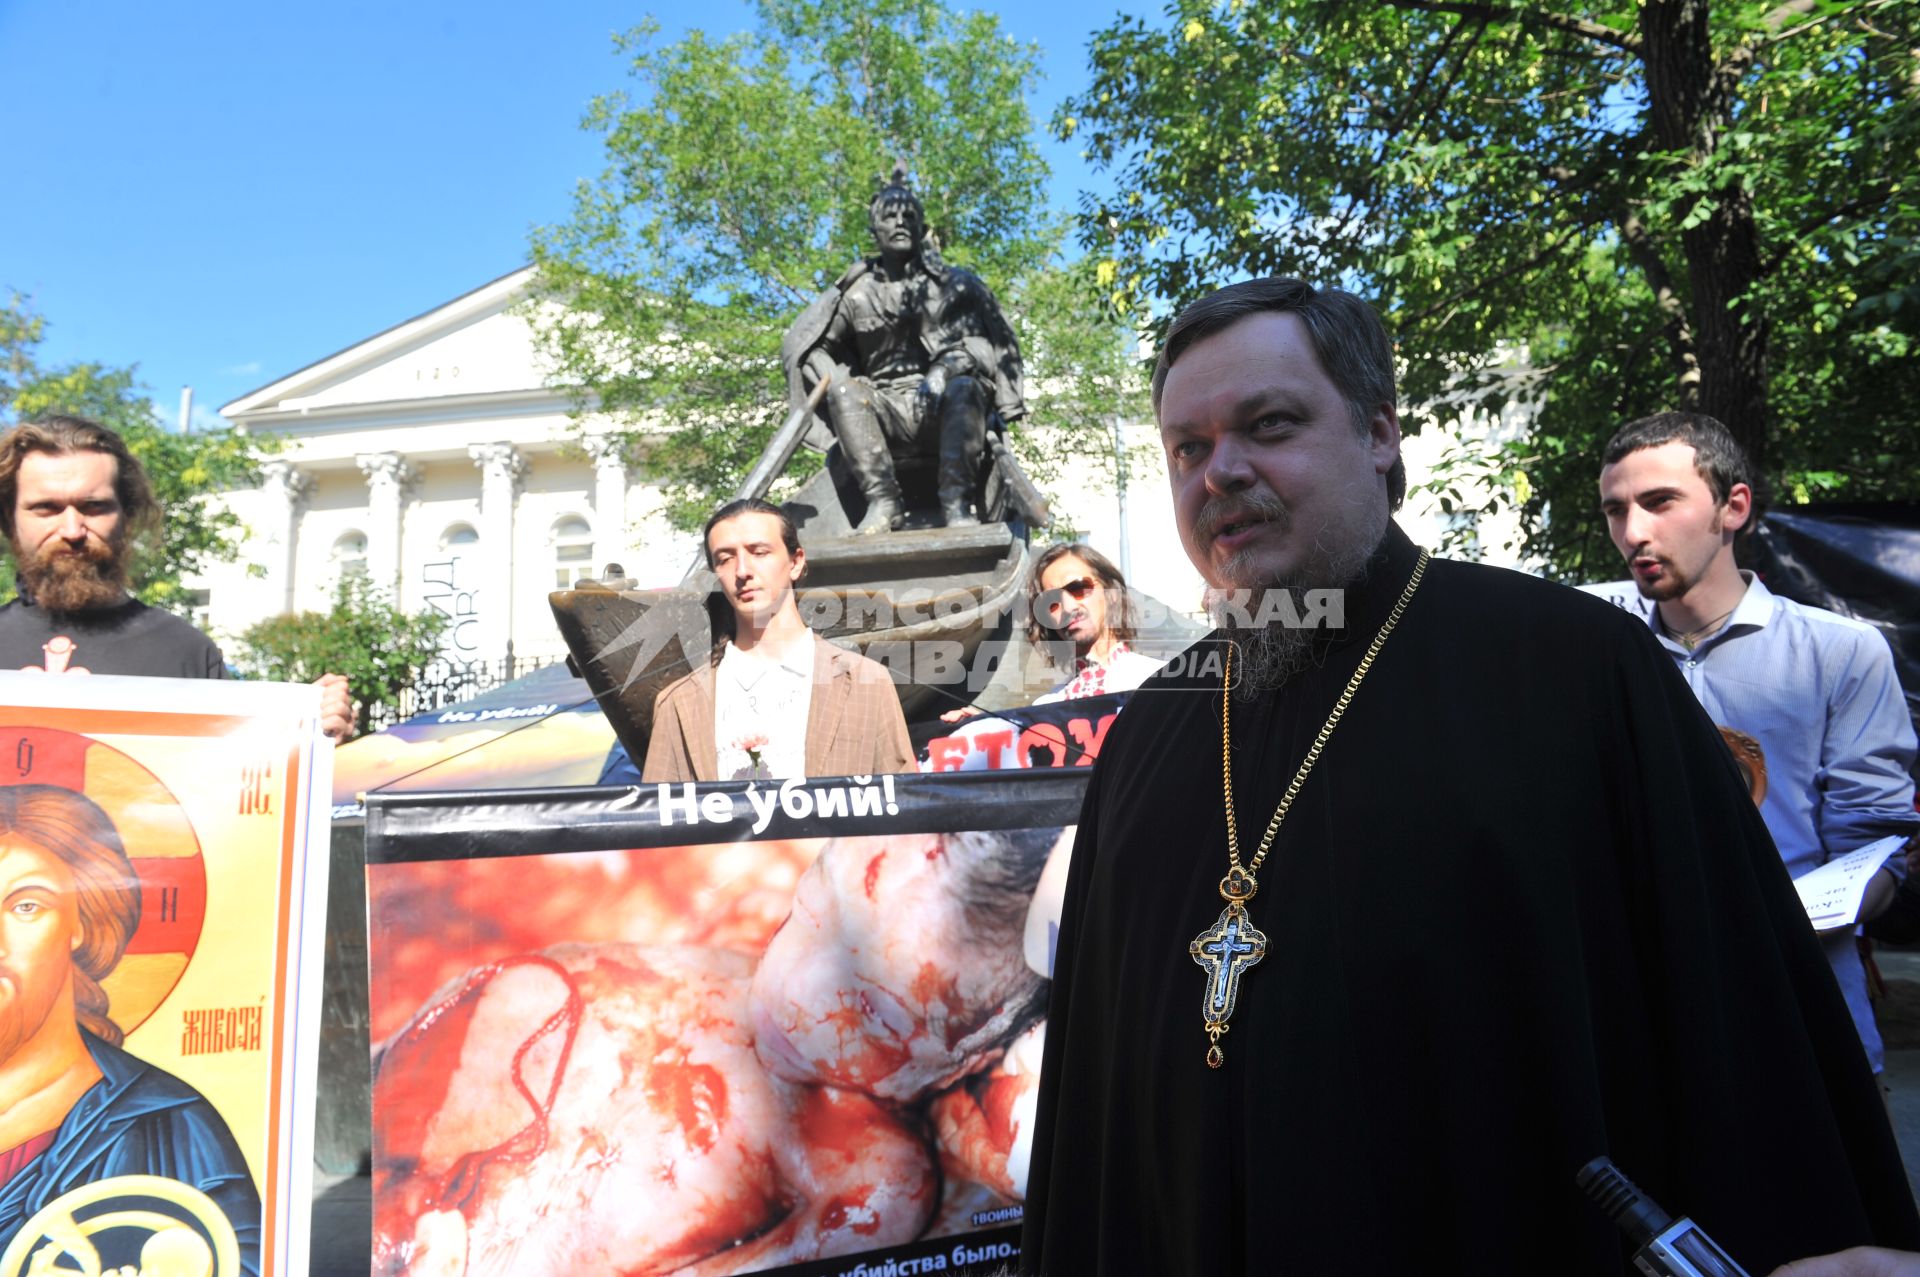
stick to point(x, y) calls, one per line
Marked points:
point(221, 193)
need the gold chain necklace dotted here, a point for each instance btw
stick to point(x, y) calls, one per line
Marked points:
point(1691, 637)
point(1232, 944)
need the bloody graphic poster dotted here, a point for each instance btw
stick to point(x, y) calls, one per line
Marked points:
point(162, 880)
point(703, 1029)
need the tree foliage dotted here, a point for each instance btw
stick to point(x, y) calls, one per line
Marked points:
point(1668, 204)
point(184, 469)
point(380, 649)
point(738, 177)
point(1089, 370)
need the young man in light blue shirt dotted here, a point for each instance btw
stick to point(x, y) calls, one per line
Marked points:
point(1815, 689)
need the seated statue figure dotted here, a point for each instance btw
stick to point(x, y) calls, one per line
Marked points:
point(921, 362)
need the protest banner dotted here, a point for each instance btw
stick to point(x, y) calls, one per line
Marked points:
point(741, 1027)
point(163, 862)
point(1065, 733)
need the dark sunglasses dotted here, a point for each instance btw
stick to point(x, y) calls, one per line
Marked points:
point(1075, 590)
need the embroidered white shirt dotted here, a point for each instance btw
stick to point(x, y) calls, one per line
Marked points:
point(1125, 669)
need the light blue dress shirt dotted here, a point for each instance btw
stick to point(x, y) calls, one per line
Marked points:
point(1818, 691)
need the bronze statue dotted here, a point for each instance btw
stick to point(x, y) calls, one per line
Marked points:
point(922, 364)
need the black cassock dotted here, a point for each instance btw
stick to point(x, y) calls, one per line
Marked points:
point(1521, 914)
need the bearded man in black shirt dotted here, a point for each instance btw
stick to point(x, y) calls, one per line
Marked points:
point(72, 500)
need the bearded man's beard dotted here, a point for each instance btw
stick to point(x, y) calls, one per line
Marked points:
point(1266, 656)
point(61, 578)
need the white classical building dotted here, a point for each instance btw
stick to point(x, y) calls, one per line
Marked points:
point(436, 457)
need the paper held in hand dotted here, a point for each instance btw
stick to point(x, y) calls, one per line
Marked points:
point(1832, 893)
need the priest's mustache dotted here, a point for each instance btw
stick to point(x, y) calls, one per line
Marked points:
point(1241, 507)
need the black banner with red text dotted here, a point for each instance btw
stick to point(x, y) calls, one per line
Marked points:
point(1057, 734)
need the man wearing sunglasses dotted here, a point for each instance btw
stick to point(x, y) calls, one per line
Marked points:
point(1076, 595)
point(1080, 619)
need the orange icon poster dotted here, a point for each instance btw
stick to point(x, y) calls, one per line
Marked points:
point(162, 880)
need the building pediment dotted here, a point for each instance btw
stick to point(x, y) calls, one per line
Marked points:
point(476, 346)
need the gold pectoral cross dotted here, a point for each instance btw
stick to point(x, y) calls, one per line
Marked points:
point(1226, 950)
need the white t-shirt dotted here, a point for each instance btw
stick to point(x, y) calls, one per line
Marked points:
point(760, 704)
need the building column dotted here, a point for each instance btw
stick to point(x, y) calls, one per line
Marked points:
point(286, 490)
point(609, 455)
point(501, 469)
point(389, 478)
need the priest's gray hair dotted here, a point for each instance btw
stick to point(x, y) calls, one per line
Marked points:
point(1347, 335)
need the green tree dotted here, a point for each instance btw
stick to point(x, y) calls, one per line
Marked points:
point(1668, 204)
point(184, 469)
point(737, 183)
point(380, 649)
point(1087, 370)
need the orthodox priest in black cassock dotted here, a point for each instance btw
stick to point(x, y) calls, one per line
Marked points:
point(1521, 914)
